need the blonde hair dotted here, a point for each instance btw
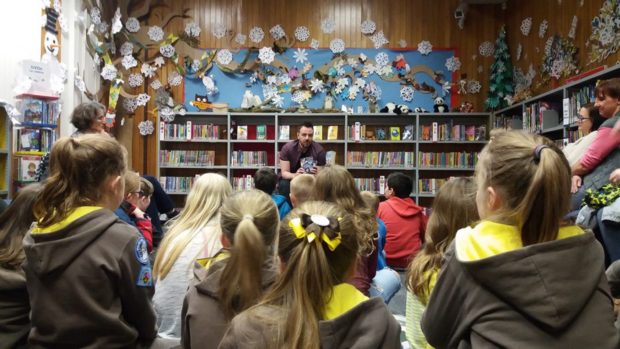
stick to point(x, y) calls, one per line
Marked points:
point(249, 220)
point(78, 168)
point(454, 208)
point(301, 187)
point(146, 187)
point(311, 270)
point(132, 182)
point(203, 204)
point(509, 165)
point(371, 200)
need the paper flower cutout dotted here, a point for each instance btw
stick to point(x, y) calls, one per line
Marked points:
point(368, 27)
point(159, 61)
point(224, 56)
point(79, 83)
point(519, 51)
point(175, 79)
point(126, 48)
point(300, 55)
point(302, 33)
point(135, 80)
point(328, 26)
point(402, 43)
point(277, 32)
point(453, 64)
point(473, 86)
point(256, 34)
point(266, 55)
point(573, 28)
point(542, 29)
point(219, 30)
point(146, 127)
point(108, 72)
point(486, 49)
point(116, 21)
point(167, 50)
point(166, 114)
point(240, 38)
point(156, 84)
point(130, 104)
point(298, 97)
point(142, 99)
point(526, 26)
point(95, 15)
point(314, 44)
point(192, 30)
point(316, 85)
point(406, 93)
point(129, 62)
point(379, 39)
point(382, 59)
point(425, 47)
point(336, 45)
point(155, 33)
point(147, 70)
point(132, 25)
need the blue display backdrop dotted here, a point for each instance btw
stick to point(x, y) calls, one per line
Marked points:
point(426, 75)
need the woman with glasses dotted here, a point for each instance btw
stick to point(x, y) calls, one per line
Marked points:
point(588, 122)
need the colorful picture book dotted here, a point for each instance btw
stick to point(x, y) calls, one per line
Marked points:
point(380, 133)
point(39, 111)
point(318, 132)
point(332, 133)
point(242, 132)
point(27, 168)
point(308, 163)
point(285, 132)
point(408, 133)
point(395, 133)
point(261, 132)
point(330, 157)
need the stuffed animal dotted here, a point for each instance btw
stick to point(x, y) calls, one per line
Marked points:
point(466, 107)
point(440, 105)
point(395, 108)
point(420, 110)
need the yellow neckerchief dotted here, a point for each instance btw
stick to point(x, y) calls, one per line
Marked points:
point(71, 217)
point(432, 276)
point(344, 298)
point(208, 261)
point(488, 239)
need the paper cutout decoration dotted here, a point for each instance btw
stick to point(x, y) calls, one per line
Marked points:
point(156, 84)
point(519, 51)
point(473, 86)
point(328, 26)
point(277, 32)
point(336, 45)
point(167, 50)
point(302, 33)
point(126, 48)
point(240, 38)
point(300, 55)
point(130, 104)
point(155, 33)
point(402, 43)
point(175, 79)
point(192, 29)
point(382, 59)
point(159, 61)
point(368, 27)
point(224, 56)
point(425, 47)
point(219, 30)
point(116, 21)
point(486, 49)
point(256, 34)
point(453, 64)
point(526, 26)
point(79, 83)
point(379, 39)
point(266, 55)
point(142, 99)
point(135, 80)
point(95, 15)
point(147, 70)
point(406, 93)
point(146, 127)
point(132, 25)
point(129, 62)
point(166, 114)
point(314, 44)
point(108, 72)
point(605, 37)
point(573, 28)
point(542, 30)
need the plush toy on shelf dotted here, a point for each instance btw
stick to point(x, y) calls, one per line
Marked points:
point(440, 105)
point(395, 108)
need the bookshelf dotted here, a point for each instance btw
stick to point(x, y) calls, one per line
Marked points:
point(370, 146)
point(5, 159)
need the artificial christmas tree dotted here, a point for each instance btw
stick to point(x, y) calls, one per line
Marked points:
point(500, 81)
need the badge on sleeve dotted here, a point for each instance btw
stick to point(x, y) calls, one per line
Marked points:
point(145, 278)
point(142, 252)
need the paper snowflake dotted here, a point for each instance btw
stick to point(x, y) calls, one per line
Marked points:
point(132, 25)
point(556, 69)
point(266, 55)
point(473, 86)
point(272, 80)
point(526, 26)
point(159, 61)
point(219, 30)
point(316, 85)
point(284, 79)
point(342, 82)
point(135, 80)
point(519, 51)
point(166, 114)
point(79, 83)
point(95, 15)
point(453, 64)
point(277, 101)
point(130, 104)
point(336, 45)
point(314, 44)
point(379, 39)
point(96, 59)
point(300, 55)
point(129, 62)
point(108, 72)
point(257, 34)
point(175, 79)
point(146, 127)
point(486, 49)
point(103, 27)
point(573, 28)
point(116, 21)
point(328, 26)
point(302, 33)
point(224, 56)
point(425, 47)
point(446, 88)
point(298, 97)
point(277, 32)
point(196, 65)
point(607, 35)
point(402, 43)
point(126, 48)
point(156, 84)
point(369, 69)
point(269, 91)
point(155, 33)
point(142, 99)
point(361, 83)
point(209, 82)
point(352, 62)
point(240, 38)
point(406, 93)
point(62, 21)
point(368, 27)
point(353, 91)
point(192, 30)
point(542, 29)
point(382, 59)
point(385, 70)
point(167, 50)
point(147, 70)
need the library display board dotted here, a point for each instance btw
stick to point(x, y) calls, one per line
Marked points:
point(429, 147)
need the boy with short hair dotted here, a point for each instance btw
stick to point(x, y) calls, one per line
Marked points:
point(266, 179)
point(301, 188)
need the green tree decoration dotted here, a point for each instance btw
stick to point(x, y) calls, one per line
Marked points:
point(500, 81)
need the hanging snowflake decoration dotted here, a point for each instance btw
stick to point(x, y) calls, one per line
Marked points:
point(402, 43)
point(95, 15)
point(108, 72)
point(156, 84)
point(159, 61)
point(300, 55)
point(167, 50)
point(219, 30)
point(175, 79)
point(62, 21)
point(79, 83)
point(240, 38)
point(257, 34)
point(116, 21)
point(361, 83)
point(103, 27)
point(573, 28)
point(382, 59)
point(166, 114)
point(130, 104)
point(606, 35)
point(135, 80)
point(196, 65)
point(353, 91)
point(486, 49)
point(379, 39)
point(560, 58)
point(298, 97)
point(526, 26)
point(556, 69)
point(192, 29)
point(147, 70)
point(142, 99)
point(328, 26)
point(473, 86)
point(129, 62)
point(453, 64)
point(316, 85)
point(277, 101)
point(132, 25)
point(406, 93)
point(224, 56)
point(542, 29)
point(302, 33)
point(277, 32)
point(272, 80)
point(155, 33)
point(425, 47)
point(266, 55)
point(269, 91)
point(519, 51)
point(368, 27)
point(146, 127)
point(126, 48)
point(336, 45)
point(314, 44)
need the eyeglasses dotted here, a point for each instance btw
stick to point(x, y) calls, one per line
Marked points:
point(581, 118)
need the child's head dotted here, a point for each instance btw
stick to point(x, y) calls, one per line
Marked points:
point(84, 171)
point(301, 188)
point(399, 185)
point(523, 180)
point(371, 200)
point(249, 222)
point(144, 197)
point(132, 187)
point(265, 179)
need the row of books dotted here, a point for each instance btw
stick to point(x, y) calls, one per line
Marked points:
point(243, 183)
point(449, 132)
point(359, 132)
point(509, 122)
point(572, 105)
point(430, 185)
point(34, 139)
point(176, 184)
point(466, 160)
point(189, 131)
point(541, 115)
point(187, 157)
point(375, 185)
point(248, 158)
point(39, 111)
point(381, 158)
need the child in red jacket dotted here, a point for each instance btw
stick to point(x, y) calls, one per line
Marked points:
point(138, 193)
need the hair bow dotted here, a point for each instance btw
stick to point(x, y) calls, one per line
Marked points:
point(316, 226)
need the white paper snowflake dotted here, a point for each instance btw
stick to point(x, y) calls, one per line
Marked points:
point(328, 26)
point(368, 27)
point(425, 47)
point(116, 21)
point(277, 101)
point(284, 79)
point(146, 127)
point(316, 85)
point(473, 86)
point(155, 33)
point(103, 27)
point(298, 97)
point(342, 82)
point(108, 72)
point(269, 91)
point(257, 34)
point(573, 28)
point(406, 93)
point(129, 62)
point(542, 29)
point(147, 70)
point(382, 59)
point(166, 114)
point(135, 80)
point(302, 33)
point(62, 21)
point(192, 29)
point(224, 56)
point(607, 35)
point(379, 39)
point(352, 62)
point(519, 51)
point(142, 99)
point(336, 45)
point(57, 6)
point(196, 65)
point(156, 84)
point(353, 91)
point(266, 55)
point(132, 25)
point(240, 38)
point(277, 32)
point(453, 64)
point(159, 61)
point(126, 48)
point(314, 44)
point(96, 59)
point(361, 83)
point(95, 15)
point(219, 30)
point(272, 80)
point(385, 70)
point(130, 104)
point(402, 43)
point(175, 79)
point(486, 49)
point(300, 55)
point(167, 50)
point(556, 69)
point(79, 83)
point(526, 26)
